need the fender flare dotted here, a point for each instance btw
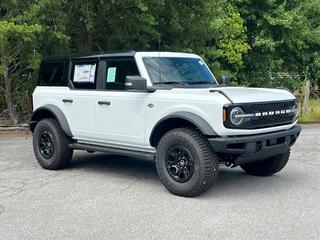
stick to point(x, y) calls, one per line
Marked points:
point(56, 112)
point(195, 119)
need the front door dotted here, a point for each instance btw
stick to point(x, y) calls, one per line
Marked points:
point(120, 114)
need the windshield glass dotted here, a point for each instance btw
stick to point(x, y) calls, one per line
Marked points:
point(178, 70)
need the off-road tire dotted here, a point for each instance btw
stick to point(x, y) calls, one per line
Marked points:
point(268, 166)
point(206, 162)
point(62, 154)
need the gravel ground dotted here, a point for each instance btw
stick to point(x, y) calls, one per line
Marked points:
point(108, 197)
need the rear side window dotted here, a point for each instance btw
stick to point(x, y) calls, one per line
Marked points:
point(52, 74)
point(84, 75)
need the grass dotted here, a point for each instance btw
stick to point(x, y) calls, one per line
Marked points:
point(313, 115)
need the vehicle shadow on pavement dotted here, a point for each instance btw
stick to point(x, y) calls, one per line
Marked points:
point(236, 183)
point(124, 167)
point(231, 182)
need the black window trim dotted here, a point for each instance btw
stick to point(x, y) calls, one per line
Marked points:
point(72, 64)
point(102, 75)
point(64, 76)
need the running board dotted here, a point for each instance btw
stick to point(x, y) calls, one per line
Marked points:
point(111, 150)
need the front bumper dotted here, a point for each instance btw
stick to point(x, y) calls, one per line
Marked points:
point(245, 149)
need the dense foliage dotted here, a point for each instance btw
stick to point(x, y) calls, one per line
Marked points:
point(256, 42)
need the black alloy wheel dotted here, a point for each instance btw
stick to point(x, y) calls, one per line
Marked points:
point(46, 144)
point(179, 163)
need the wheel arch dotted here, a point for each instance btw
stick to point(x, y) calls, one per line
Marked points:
point(50, 111)
point(176, 120)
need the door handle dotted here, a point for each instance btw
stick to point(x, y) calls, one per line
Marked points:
point(104, 103)
point(67, 100)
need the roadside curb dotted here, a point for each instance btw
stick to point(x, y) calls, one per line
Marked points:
point(22, 127)
point(310, 124)
point(13, 129)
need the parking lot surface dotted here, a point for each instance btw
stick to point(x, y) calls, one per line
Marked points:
point(102, 196)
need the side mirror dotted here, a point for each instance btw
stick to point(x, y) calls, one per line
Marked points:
point(135, 83)
point(225, 80)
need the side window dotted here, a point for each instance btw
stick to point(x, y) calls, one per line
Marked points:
point(52, 74)
point(84, 75)
point(116, 72)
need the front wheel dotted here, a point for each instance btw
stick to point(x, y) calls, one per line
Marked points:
point(267, 166)
point(51, 145)
point(186, 164)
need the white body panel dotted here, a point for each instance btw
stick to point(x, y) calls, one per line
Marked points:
point(123, 121)
point(207, 105)
point(251, 95)
point(128, 121)
point(80, 113)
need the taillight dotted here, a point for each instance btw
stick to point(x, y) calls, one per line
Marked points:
point(31, 103)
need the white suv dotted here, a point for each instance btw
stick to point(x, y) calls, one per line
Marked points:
point(164, 106)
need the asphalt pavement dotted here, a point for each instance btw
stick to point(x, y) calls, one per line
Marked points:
point(102, 196)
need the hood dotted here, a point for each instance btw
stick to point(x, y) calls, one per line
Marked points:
point(234, 94)
point(248, 95)
point(241, 94)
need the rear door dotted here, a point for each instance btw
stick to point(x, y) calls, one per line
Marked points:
point(80, 103)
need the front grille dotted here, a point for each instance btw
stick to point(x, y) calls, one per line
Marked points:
point(268, 120)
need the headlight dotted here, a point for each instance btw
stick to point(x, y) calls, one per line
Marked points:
point(236, 116)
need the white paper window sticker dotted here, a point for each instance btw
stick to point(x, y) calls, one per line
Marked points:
point(200, 62)
point(84, 73)
point(111, 74)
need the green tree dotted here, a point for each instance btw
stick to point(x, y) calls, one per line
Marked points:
point(17, 43)
point(213, 29)
point(284, 42)
point(24, 38)
point(110, 25)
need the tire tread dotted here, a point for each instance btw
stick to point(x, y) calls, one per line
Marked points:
point(64, 153)
point(210, 163)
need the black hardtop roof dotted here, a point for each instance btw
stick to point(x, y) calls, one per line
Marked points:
point(129, 53)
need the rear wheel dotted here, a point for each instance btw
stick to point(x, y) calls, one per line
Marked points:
point(186, 164)
point(51, 145)
point(268, 166)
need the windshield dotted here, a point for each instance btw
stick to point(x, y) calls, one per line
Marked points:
point(176, 70)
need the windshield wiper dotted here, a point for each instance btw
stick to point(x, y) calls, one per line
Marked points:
point(169, 82)
point(200, 82)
